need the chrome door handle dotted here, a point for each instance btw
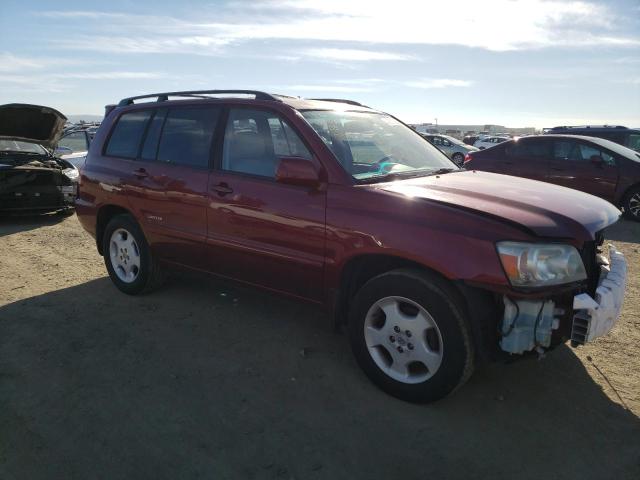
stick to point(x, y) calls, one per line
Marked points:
point(140, 173)
point(222, 189)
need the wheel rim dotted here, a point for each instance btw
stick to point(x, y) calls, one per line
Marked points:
point(403, 339)
point(125, 255)
point(458, 159)
point(634, 204)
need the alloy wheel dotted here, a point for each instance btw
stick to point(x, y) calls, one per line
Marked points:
point(125, 255)
point(403, 339)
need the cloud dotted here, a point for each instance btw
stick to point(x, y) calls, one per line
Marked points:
point(354, 54)
point(498, 25)
point(323, 88)
point(427, 83)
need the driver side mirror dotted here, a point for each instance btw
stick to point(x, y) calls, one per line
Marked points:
point(297, 171)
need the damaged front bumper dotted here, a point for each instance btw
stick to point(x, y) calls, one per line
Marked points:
point(596, 317)
point(530, 324)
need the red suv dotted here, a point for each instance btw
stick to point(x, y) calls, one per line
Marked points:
point(430, 267)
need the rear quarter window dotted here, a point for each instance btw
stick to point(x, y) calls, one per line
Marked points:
point(127, 134)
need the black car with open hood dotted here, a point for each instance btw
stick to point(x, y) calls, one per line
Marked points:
point(31, 177)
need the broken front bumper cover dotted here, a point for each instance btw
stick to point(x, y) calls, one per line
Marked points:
point(596, 317)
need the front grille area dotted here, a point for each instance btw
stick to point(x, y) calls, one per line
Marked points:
point(588, 254)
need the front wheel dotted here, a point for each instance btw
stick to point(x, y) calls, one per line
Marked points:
point(129, 260)
point(631, 204)
point(410, 336)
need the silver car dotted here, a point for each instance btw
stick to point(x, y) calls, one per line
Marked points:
point(451, 147)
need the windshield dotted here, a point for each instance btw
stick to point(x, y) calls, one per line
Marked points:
point(24, 147)
point(372, 145)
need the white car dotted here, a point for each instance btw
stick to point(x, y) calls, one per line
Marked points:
point(487, 142)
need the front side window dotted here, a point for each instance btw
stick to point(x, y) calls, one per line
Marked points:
point(187, 136)
point(580, 152)
point(127, 134)
point(254, 139)
point(437, 141)
point(76, 141)
point(373, 145)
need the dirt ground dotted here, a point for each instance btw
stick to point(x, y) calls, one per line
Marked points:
point(207, 380)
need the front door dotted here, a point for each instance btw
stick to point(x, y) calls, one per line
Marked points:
point(583, 166)
point(261, 231)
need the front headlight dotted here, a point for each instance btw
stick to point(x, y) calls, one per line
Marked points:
point(537, 265)
point(72, 173)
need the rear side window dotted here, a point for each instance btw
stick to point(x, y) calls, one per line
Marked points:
point(127, 134)
point(528, 148)
point(187, 136)
point(150, 148)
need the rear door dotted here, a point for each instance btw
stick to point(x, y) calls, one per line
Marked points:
point(167, 177)
point(583, 166)
point(526, 157)
point(261, 231)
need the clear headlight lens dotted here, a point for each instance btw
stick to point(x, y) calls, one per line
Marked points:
point(537, 265)
point(72, 173)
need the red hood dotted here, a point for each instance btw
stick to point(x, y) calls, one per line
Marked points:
point(545, 209)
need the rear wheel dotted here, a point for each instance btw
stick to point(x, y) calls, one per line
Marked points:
point(128, 258)
point(458, 159)
point(631, 204)
point(410, 336)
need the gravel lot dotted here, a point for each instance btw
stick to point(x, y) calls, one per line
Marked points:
point(207, 380)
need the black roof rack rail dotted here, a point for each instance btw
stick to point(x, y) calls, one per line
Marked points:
point(163, 97)
point(340, 100)
point(568, 127)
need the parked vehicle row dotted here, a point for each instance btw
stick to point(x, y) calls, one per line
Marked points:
point(451, 147)
point(430, 267)
point(589, 164)
point(628, 137)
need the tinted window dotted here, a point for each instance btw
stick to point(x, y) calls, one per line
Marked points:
point(150, 148)
point(254, 139)
point(528, 148)
point(633, 141)
point(127, 134)
point(187, 135)
point(580, 152)
point(590, 153)
point(436, 141)
point(76, 141)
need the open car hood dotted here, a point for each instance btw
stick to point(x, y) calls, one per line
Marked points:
point(31, 123)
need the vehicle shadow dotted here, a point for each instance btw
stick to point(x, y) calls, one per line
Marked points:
point(624, 231)
point(210, 381)
point(10, 224)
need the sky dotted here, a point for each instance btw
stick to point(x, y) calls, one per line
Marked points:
point(516, 63)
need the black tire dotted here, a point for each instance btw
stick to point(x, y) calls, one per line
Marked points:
point(458, 159)
point(631, 204)
point(151, 274)
point(439, 299)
